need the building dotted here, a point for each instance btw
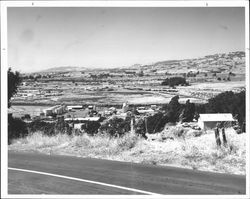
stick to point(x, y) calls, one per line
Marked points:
point(58, 110)
point(209, 121)
point(82, 119)
point(74, 107)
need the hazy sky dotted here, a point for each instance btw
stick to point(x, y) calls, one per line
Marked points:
point(40, 38)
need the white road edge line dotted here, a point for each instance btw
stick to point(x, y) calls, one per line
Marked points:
point(83, 180)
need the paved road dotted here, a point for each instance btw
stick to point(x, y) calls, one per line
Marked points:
point(95, 176)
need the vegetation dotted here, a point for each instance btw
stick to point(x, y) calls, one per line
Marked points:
point(16, 127)
point(116, 127)
point(14, 80)
point(50, 128)
point(174, 81)
point(187, 114)
point(199, 153)
point(229, 102)
point(91, 127)
point(173, 109)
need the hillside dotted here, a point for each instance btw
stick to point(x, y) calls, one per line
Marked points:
point(218, 63)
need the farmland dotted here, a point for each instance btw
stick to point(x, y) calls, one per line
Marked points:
point(140, 84)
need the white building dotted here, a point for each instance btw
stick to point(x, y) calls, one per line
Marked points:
point(209, 121)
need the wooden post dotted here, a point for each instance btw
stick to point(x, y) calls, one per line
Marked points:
point(217, 136)
point(224, 137)
point(132, 124)
point(146, 124)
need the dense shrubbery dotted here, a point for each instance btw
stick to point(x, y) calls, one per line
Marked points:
point(16, 128)
point(170, 113)
point(229, 102)
point(50, 128)
point(91, 127)
point(116, 126)
point(174, 81)
point(156, 122)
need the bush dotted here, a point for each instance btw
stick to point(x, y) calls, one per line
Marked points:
point(116, 127)
point(91, 127)
point(39, 125)
point(16, 128)
point(50, 128)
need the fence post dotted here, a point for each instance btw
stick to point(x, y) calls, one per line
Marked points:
point(224, 137)
point(132, 124)
point(217, 136)
point(146, 124)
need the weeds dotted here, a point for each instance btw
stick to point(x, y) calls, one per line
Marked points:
point(197, 153)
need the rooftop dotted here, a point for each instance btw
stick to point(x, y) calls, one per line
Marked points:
point(216, 117)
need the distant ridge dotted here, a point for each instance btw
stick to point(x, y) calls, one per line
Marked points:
point(62, 69)
point(227, 62)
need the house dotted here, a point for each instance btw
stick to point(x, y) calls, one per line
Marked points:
point(209, 121)
point(58, 109)
point(74, 107)
point(82, 119)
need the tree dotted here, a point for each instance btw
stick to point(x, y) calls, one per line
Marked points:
point(14, 80)
point(174, 81)
point(16, 127)
point(229, 102)
point(188, 112)
point(173, 109)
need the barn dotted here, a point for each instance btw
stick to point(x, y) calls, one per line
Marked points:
point(209, 121)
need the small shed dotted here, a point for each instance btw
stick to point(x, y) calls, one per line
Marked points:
point(209, 121)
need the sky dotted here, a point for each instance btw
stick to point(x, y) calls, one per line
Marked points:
point(45, 37)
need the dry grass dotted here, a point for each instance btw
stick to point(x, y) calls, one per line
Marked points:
point(198, 153)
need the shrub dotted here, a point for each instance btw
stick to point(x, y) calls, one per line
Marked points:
point(116, 126)
point(91, 127)
point(39, 125)
point(50, 128)
point(16, 128)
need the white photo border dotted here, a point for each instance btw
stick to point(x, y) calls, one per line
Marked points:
point(4, 66)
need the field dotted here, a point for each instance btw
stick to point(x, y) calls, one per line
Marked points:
point(82, 94)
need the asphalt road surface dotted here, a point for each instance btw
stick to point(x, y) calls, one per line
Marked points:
point(33, 173)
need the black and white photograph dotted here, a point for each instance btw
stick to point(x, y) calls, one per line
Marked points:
point(127, 99)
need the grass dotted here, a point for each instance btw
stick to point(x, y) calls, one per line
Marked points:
point(197, 153)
